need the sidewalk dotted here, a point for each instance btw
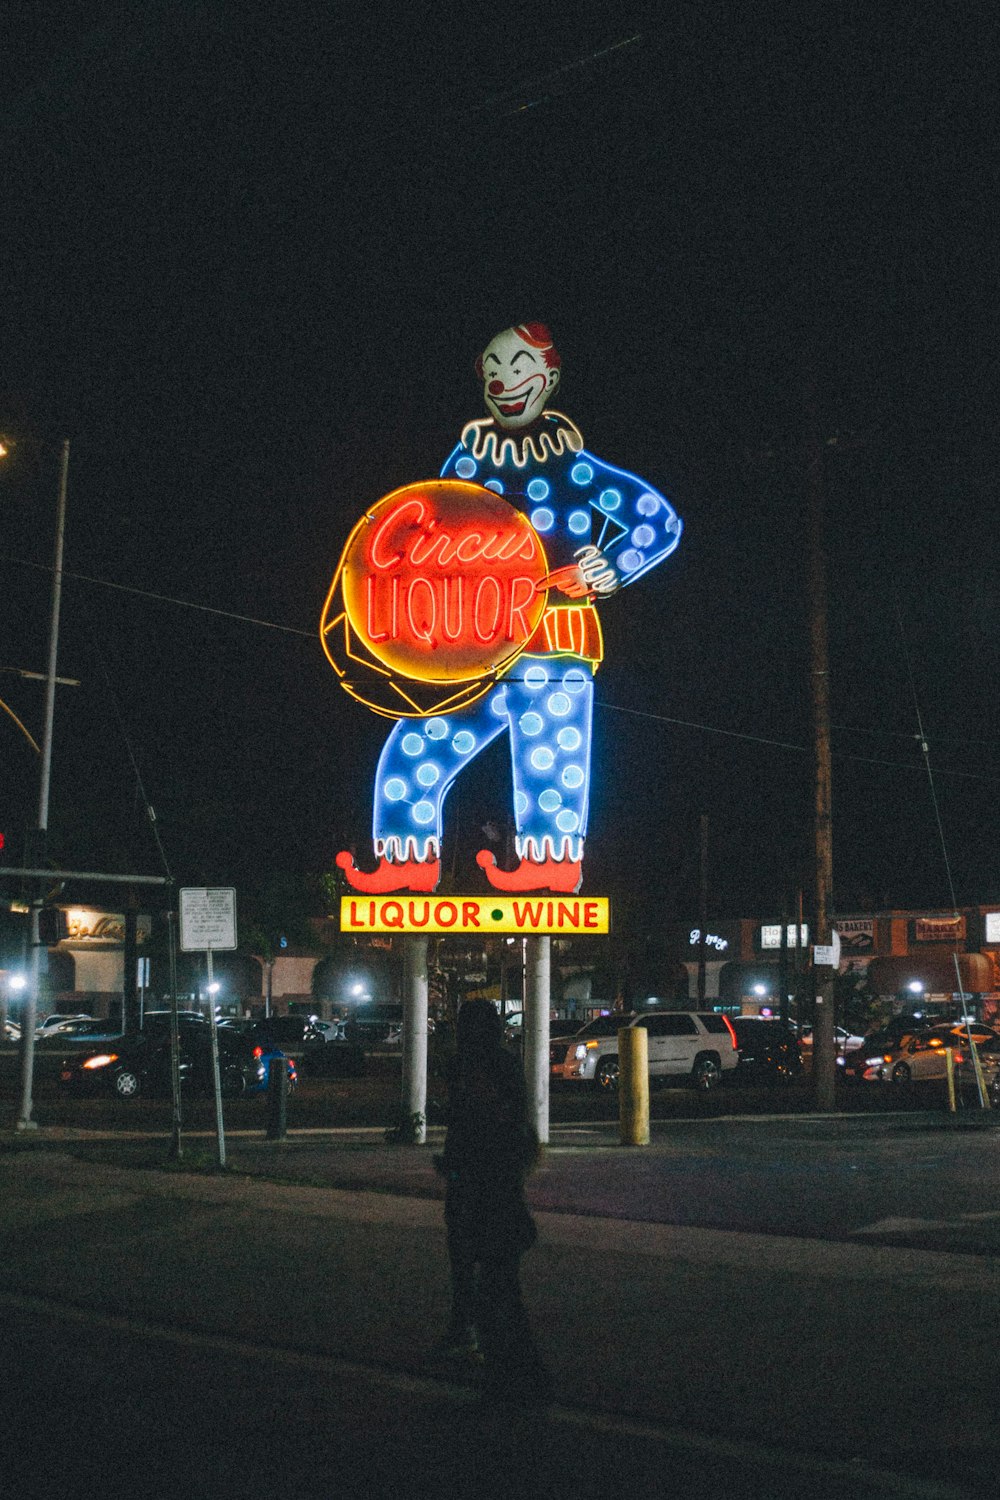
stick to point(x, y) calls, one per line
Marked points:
point(584, 1169)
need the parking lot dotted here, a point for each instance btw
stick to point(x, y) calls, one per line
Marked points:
point(324, 1100)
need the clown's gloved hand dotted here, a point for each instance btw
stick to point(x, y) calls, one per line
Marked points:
point(593, 574)
point(597, 572)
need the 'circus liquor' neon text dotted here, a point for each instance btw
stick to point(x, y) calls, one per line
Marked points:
point(433, 589)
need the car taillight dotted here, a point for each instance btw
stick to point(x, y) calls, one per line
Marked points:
point(101, 1060)
point(258, 1052)
point(732, 1032)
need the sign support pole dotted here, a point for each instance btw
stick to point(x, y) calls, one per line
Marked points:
point(216, 1081)
point(537, 1003)
point(176, 1150)
point(415, 1036)
point(208, 921)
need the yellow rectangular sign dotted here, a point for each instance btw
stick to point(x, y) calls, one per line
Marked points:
point(564, 916)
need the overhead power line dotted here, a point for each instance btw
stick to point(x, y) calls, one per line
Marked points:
point(125, 588)
point(713, 729)
point(757, 739)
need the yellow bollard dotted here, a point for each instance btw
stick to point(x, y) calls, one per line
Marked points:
point(633, 1085)
point(949, 1067)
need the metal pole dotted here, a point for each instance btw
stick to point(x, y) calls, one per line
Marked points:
point(50, 684)
point(30, 1013)
point(702, 909)
point(783, 963)
point(176, 1150)
point(537, 1001)
point(415, 1037)
point(216, 1082)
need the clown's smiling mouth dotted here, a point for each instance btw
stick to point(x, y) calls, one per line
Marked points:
point(513, 408)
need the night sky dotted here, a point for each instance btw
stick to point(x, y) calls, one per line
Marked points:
point(249, 257)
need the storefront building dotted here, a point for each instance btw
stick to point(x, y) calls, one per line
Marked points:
point(914, 960)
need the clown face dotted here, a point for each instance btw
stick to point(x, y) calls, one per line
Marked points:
point(517, 378)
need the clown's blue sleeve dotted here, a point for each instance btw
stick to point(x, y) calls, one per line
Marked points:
point(635, 526)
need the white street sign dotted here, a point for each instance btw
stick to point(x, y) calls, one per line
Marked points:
point(208, 919)
point(827, 955)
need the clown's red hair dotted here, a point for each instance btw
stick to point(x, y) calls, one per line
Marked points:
point(539, 337)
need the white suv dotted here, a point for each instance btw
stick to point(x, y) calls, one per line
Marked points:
point(700, 1045)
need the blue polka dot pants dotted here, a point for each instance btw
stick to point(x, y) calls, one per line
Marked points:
point(546, 705)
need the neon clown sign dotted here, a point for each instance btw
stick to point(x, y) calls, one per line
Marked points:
point(466, 607)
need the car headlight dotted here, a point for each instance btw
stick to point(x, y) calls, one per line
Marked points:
point(580, 1052)
point(874, 1062)
point(101, 1060)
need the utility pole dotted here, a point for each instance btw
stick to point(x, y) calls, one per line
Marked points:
point(824, 1050)
point(702, 907)
point(30, 1013)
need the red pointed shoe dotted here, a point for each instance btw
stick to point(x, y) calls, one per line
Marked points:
point(531, 875)
point(407, 875)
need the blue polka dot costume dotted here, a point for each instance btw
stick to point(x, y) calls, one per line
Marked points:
point(588, 514)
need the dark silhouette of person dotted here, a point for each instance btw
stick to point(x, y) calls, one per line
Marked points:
point(490, 1148)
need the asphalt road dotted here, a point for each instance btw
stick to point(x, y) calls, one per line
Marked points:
point(172, 1332)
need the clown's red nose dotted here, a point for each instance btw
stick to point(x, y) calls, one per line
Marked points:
point(495, 387)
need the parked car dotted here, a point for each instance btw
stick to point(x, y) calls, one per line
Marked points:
point(376, 1022)
point(265, 1049)
point(699, 1045)
point(11, 1031)
point(53, 1025)
point(89, 1030)
point(153, 1020)
point(140, 1063)
point(330, 1031)
point(560, 1040)
point(300, 1036)
point(295, 1033)
point(768, 1050)
point(921, 1057)
point(989, 1058)
point(266, 1055)
point(873, 1047)
point(846, 1041)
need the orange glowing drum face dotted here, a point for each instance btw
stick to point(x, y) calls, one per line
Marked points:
point(439, 584)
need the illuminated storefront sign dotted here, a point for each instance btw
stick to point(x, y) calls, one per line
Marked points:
point(770, 936)
point(523, 915)
point(466, 609)
point(992, 927)
point(712, 940)
point(857, 934)
point(939, 929)
point(85, 925)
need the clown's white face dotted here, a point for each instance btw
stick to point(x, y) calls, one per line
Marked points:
point(516, 380)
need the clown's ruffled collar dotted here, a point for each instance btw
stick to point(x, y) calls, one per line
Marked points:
point(547, 438)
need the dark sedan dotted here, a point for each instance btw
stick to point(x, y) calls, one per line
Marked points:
point(140, 1064)
point(769, 1050)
